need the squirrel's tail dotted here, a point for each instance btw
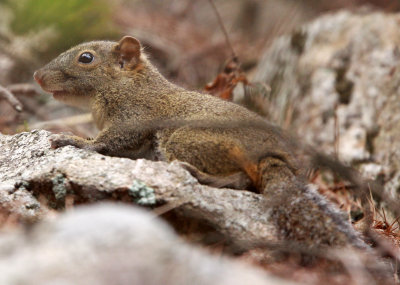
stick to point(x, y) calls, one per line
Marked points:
point(301, 213)
point(304, 215)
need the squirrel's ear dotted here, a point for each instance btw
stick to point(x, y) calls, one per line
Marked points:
point(128, 49)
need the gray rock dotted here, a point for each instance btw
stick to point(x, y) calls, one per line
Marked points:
point(114, 244)
point(341, 69)
point(29, 168)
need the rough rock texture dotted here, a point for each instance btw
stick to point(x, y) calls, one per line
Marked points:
point(29, 168)
point(113, 244)
point(341, 68)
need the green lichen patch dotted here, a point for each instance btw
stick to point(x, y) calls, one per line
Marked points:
point(33, 206)
point(59, 187)
point(142, 194)
point(23, 185)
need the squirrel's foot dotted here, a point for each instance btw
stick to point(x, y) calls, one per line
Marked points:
point(60, 140)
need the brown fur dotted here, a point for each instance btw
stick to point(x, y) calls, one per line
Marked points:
point(125, 93)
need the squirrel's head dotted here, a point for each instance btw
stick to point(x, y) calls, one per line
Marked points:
point(78, 74)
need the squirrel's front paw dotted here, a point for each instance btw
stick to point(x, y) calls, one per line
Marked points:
point(59, 140)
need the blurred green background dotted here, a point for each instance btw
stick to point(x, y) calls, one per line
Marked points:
point(182, 37)
point(73, 21)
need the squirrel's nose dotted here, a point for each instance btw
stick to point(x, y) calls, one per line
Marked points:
point(38, 76)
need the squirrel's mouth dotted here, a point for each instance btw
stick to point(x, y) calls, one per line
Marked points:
point(59, 94)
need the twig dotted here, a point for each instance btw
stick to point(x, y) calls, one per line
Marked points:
point(221, 24)
point(322, 161)
point(161, 210)
point(336, 133)
point(10, 98)
point(384, 246)
point(23, 89)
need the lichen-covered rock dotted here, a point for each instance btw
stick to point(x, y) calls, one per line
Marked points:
point(340, 73)
point(29, 168)
point(114, 244)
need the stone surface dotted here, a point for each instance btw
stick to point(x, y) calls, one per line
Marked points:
point(29, 168)
point(340, 72)
point(114, 244)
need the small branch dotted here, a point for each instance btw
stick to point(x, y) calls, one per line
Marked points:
point(23, 89)
point(336, 133)
point(384, 246)
point(10, 98)
point(221, 24)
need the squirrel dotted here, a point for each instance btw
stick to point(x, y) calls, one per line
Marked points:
point(140, 114)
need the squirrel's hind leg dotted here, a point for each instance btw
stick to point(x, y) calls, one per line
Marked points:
point(238, 180)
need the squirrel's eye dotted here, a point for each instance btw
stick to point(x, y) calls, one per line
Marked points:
point(86, 57)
